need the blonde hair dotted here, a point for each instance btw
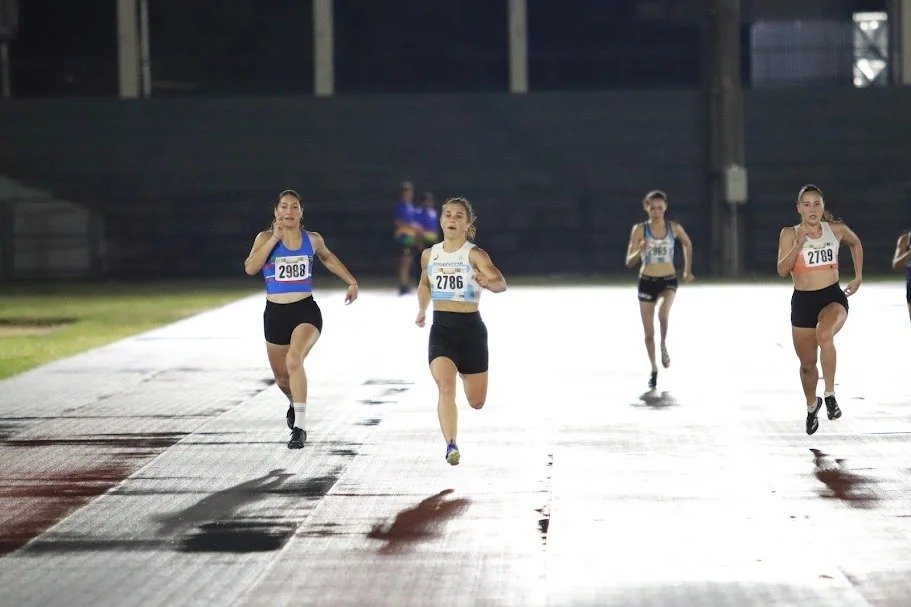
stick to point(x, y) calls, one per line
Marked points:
point(472, 217)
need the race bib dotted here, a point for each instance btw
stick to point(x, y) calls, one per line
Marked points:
point(450, 281)
point(658, 248)
point(819, 255)
point(292, 268)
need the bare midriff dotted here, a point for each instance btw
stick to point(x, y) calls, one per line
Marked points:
point(658, 270)
point(286, 298)
point(454, 306)
point(814, 280)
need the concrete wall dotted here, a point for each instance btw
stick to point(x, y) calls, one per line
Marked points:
point(182, 185)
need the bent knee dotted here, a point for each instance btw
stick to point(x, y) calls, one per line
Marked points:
point(824, 336)
point(293, 360)
point(476, 403)
point(808, 367)
point(446, 388)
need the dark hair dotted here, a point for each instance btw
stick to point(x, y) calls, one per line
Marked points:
point(653, 195)
point(287, 193)
point(278, 202)
point(427, 196)
point(472, 217)
point(406, 186)
point(826, 214)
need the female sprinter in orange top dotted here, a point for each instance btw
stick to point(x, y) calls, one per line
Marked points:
point(819, 308)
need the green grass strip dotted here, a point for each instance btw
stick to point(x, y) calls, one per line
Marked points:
point(42, 323)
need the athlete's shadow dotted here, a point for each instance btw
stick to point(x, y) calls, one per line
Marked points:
point(420, 523)
point(656, 400)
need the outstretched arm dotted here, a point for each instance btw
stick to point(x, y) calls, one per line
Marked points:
point(334, 265)
point(902, 252)
point(486, 274)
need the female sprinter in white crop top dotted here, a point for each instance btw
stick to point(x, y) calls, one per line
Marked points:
point(454, 273)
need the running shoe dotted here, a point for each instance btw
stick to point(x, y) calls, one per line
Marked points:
point(665, 357)
point(812, 419)
point(653, 380)
point(832, 409)
point(452, 454)
point(289, 416)
point(298, 436)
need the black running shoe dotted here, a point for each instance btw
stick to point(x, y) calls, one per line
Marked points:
point(812, 419)
point(298, 436)
point(653, 380)
point(289, 416)
point(832, 409)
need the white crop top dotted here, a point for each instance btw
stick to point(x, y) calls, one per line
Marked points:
point(451, 275)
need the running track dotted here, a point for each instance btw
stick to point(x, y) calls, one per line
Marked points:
point(154, 471)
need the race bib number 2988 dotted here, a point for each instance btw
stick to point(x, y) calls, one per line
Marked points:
point(292, 268)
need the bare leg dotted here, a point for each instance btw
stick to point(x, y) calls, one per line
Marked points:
point(805, 346)
point(647, 311)
point(475, 385)
point(664, 313)
point(302, 341)
point(277, 354)
point(831, 320)
point(444, 372)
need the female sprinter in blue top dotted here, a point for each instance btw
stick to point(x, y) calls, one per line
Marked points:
point(292, 321)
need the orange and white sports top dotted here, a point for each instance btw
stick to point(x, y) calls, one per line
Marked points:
point(818, 253)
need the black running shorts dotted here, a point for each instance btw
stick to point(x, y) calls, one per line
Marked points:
point(280, 320)
point(806, 305)
point(908, 284)
point(651, 287)
point(462, 338)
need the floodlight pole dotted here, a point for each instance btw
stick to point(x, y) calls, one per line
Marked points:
point(128, 49)
point(900, 40)
point(725, 136)
point(323, 49)
point(518, 46)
